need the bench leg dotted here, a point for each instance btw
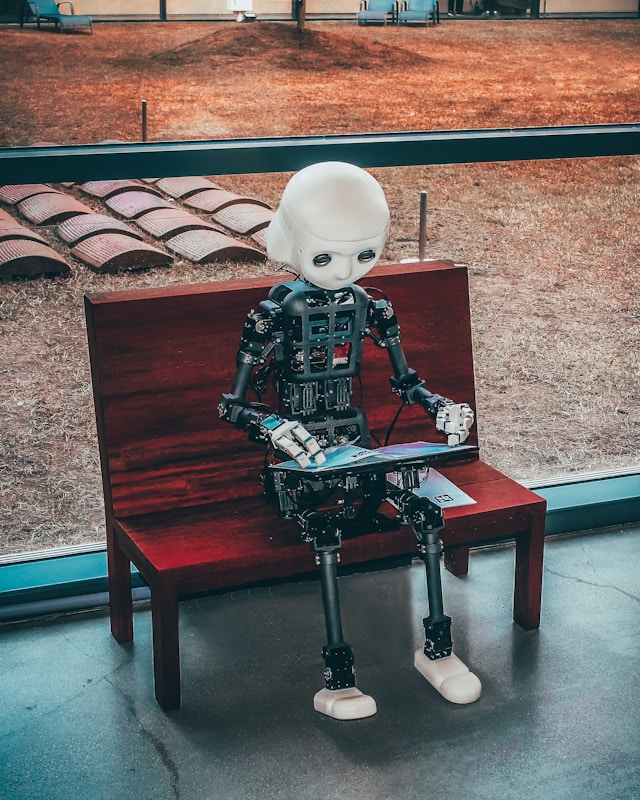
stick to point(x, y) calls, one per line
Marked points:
point(120, 601)
point(456, 560)
point(166, 643)
point(527, 596)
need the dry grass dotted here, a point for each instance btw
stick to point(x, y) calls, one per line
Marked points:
point(553, 248)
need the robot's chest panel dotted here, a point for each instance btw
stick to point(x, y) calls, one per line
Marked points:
point(323, 332)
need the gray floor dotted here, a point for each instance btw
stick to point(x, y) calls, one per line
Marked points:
point(559, 716)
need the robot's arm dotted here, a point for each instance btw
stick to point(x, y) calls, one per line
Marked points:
point(259, 337)
point(453, 419)
point(255, 345)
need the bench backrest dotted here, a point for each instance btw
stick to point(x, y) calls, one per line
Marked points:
point(161, 358)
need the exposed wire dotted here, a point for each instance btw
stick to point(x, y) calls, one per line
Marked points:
point(370, 289)
point(281, 267)
point(393, 423)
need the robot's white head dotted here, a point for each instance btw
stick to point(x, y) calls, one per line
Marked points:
point(331, 225)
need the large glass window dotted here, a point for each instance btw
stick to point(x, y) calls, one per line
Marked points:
point(552, 252)
point(552, 246)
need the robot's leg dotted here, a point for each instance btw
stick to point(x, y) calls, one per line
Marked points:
point(340, 698)
point(436, 661)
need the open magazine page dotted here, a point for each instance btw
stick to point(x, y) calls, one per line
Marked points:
point(343, 457)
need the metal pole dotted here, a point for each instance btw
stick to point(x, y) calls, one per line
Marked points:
point(422, 235)
point(330, 599)
point(430, 554)
point(144, 120)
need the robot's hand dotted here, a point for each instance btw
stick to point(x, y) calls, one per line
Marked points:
point(455, 419)
point(294, 440)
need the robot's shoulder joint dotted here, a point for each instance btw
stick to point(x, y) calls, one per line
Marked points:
point(383, 316)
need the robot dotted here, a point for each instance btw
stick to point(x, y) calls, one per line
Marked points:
point(307, 339)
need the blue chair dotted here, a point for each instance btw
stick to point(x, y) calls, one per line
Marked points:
point(49, 11)
point(376, 11)
point(419, 11)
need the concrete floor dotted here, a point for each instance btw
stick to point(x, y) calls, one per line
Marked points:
point(559, 717)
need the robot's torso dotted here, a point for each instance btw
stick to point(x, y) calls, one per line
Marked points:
point(317, 338)
point(310, 341)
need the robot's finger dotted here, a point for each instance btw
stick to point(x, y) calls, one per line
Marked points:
point(309, 443)
point(455, 417)
point(305, 438)
point(454, 439)
point(301, 433)
point(292, 449)
point(442, 419)
point(303, 459)
point(468, 416)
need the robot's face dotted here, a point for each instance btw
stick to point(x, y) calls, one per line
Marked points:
point(331, 225)
point(332, 265)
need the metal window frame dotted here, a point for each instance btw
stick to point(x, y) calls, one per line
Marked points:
point(289, 154)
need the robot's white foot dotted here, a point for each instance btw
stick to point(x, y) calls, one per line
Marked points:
point(344, 703)
point(450, 677)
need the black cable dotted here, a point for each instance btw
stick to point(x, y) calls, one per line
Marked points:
point(393, 423)
point(377, 291)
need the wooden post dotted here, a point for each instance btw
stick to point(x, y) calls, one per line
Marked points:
point(144, 120)
point(302, 13)
point(422, 234)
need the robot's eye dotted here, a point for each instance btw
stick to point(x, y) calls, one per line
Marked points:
point(366, 255)
point(322, 260)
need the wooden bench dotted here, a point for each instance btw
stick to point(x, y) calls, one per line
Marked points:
point(182, 495)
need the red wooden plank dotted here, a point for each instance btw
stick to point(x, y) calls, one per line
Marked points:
point(195, 540)
point(235, 552)
point(163, 434)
